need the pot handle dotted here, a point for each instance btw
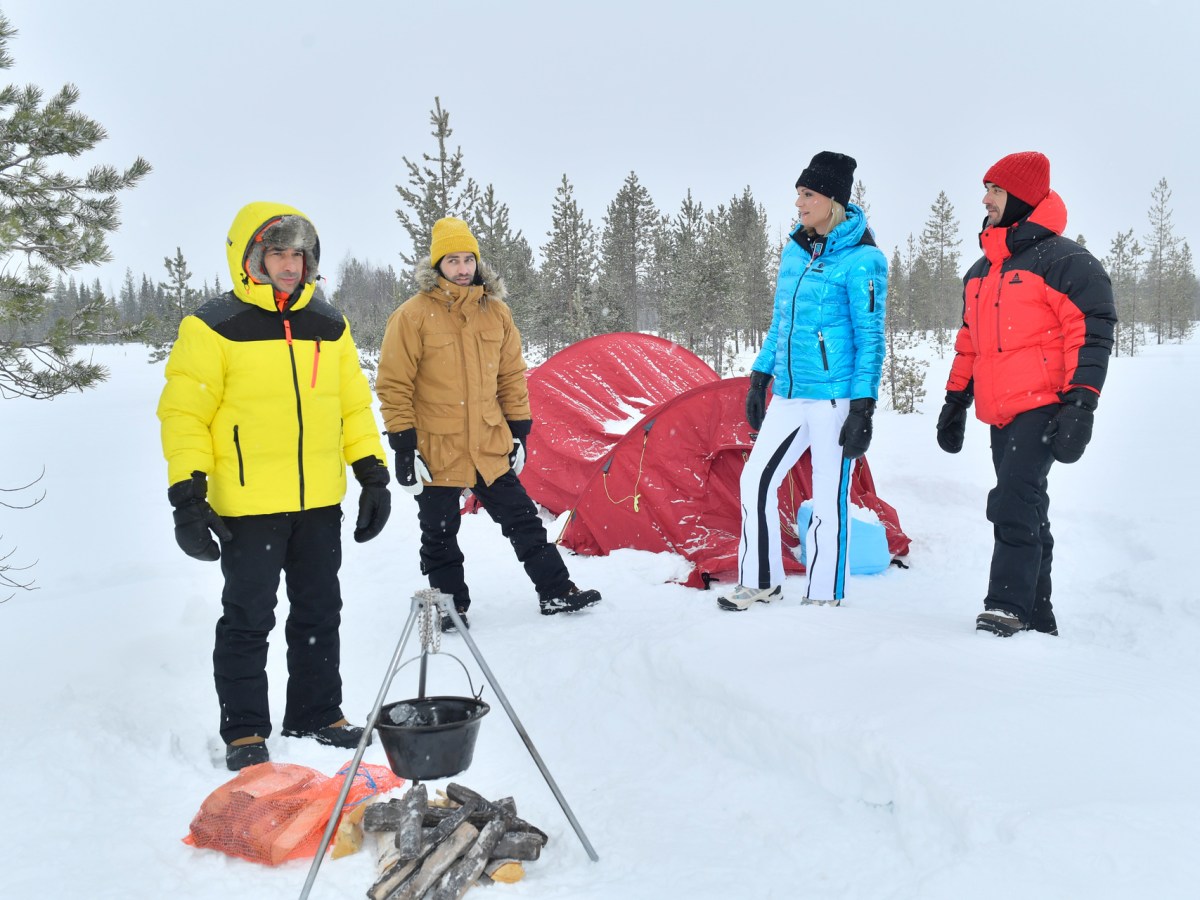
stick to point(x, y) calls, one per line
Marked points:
point(478, 695)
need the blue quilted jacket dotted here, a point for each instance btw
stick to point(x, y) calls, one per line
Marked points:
point(826, 335)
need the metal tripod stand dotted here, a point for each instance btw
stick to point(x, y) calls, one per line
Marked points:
point(430, 602)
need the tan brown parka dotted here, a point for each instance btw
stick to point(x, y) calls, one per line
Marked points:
point(451, 367)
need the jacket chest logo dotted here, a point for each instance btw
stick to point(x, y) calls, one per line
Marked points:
point(1016, 279)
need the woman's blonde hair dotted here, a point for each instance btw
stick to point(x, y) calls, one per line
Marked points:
point(837, 215)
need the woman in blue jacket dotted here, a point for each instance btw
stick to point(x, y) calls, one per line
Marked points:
point(824, 354)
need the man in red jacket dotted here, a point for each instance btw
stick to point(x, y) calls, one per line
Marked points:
point(1032, 354)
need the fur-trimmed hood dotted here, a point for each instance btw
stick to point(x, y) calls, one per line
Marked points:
point(493, 284)
point(243, 250)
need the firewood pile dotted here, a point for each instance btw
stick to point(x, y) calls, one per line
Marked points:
point(437, 849)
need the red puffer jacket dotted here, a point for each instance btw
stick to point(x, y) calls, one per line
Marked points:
point(1038, 318)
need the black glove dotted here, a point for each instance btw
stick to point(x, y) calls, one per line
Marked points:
point(374, 503)
point(1070, 430)
point(520, 429)
point(756, 399)
point(856, 430)
point(194, 518)
point(952, 421)
point(411, 471)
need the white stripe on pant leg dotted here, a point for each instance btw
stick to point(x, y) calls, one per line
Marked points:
point(827, 541)
point(781, 442)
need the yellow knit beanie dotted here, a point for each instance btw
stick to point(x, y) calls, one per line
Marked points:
point(451, 235)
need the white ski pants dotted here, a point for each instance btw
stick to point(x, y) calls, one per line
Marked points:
point(791, 427)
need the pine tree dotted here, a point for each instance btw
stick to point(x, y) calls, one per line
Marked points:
point(903, 379)
point(367, 296)
point(50, 222)
point(918, 288)
point(741, 247)
point(1160, 244)
point(939, 250)
point(506, 251)
point(567, 286)
point(688, 313)
point(627, 260)
point(859, 198)
point(435, 190)
point(180, 299)
point(1181, 292)
point(1123, 265)
point(127, 300)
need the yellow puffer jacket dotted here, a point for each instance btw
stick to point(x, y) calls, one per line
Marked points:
point(271, 405)
point(451, 367)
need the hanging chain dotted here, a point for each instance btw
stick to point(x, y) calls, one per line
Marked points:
point(430, 623)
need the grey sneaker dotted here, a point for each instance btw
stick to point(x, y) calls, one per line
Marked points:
point(743, 596)
point(809, 601)
point(999, 622)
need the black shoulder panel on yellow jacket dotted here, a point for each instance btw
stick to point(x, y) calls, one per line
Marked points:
point(236, 320)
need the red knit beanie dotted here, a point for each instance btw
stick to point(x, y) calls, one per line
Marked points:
point(1025, 175)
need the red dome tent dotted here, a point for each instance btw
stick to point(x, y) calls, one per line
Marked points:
point(587, 396)
point(671, 484)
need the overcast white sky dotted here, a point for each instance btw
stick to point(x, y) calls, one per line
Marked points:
point(313, 103)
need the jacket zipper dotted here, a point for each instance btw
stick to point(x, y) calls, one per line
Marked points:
point(237, 446)
point(871, 291)
point(792, 324)
point(316, 362)
point(999, 288)
point(824, 355)
point(287, 333)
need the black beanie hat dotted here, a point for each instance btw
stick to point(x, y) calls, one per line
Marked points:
point(830, 174)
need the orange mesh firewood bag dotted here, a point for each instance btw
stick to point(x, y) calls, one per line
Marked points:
point(274, 812)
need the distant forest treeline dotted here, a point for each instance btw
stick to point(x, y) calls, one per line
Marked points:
point(701, 277)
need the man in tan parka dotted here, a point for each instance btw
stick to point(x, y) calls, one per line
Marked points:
point(451, 386)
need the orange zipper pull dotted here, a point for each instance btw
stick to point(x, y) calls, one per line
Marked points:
point(316, 362)
point(287, 331)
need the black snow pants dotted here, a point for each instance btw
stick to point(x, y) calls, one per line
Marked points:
point(1019, 510)
point(506, 501)
point(307, 547)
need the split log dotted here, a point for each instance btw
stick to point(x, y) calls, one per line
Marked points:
point(434, 816)
point(408, 834)
point(401, 871)
point(523, 845)
point(439, 859)
point(506, 871)
point(349, 836)
point(458, 879)
point(461, 793)
point(506, 807)
point(388, 815)
point(387, 855)
point(308, 820)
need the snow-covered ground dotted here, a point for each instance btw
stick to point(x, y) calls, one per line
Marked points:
point(879, 750)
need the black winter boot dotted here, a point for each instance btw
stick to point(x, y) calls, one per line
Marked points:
point(572, 601)
point(999, 622)
point(1043, 618)
point(251, 753)
point(448, 626)
point(340, 734)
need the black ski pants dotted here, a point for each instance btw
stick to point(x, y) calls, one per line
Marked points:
point(506, 501)
point(1019, 510)
point(307, 548)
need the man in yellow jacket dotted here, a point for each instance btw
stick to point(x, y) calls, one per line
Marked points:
point(265, 405)
point(451, 386)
